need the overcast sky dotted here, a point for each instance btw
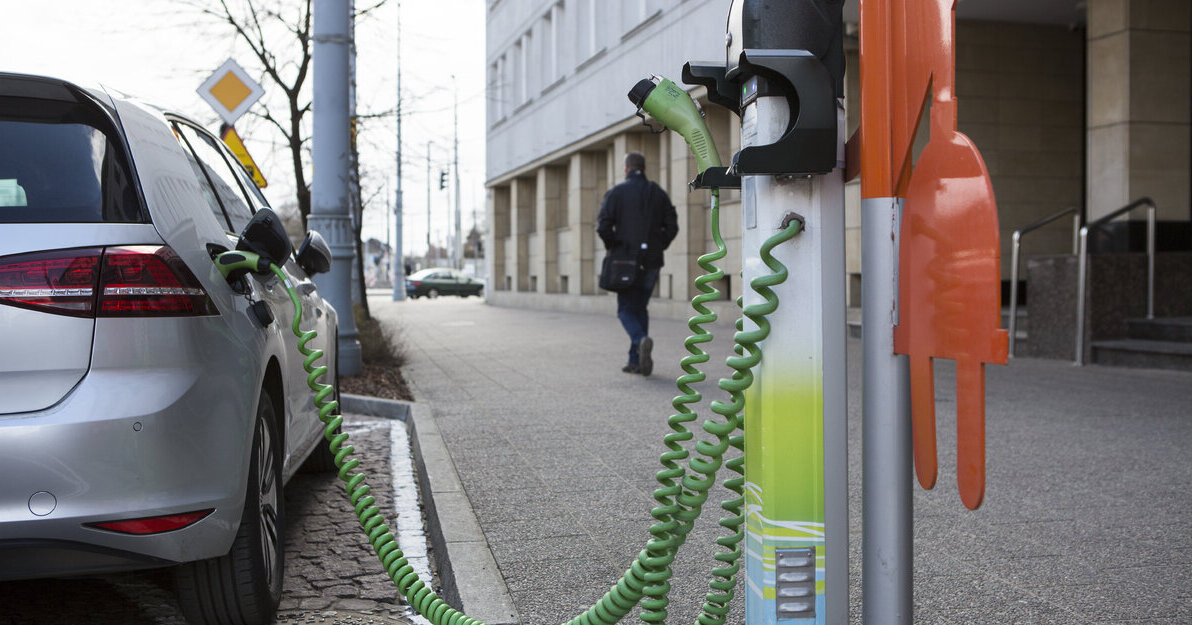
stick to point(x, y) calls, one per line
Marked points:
point(162, 51)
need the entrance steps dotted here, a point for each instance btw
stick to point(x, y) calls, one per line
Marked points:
point(1164, 343)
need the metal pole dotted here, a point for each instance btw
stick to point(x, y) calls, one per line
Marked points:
point(1014, 250)
point(1150, 261)
point(428, 256)
point(398, 271)
point(1082, 262)
point(1075, 232)
point(357, 209)
point(886, 509)
point(329, 188)
point(458, 248)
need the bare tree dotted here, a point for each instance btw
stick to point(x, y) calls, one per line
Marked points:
point(278, 35)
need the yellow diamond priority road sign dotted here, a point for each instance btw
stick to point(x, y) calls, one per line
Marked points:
point(230, 91)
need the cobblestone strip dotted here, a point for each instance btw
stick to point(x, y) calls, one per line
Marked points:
point(329, 563)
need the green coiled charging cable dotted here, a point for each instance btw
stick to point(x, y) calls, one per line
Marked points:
point(683, 491)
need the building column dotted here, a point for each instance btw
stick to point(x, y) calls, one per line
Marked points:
point(550, 182)
point(1138, 105)
point(498, 237)
point(689, 245)
point(521, 228)
point(586, 184)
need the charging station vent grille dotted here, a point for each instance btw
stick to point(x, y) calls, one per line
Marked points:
point(794, 588)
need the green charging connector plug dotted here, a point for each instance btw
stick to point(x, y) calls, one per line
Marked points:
point(234, 264)
point(673, 107)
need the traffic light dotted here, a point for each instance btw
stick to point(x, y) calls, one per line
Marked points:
point(442, 180)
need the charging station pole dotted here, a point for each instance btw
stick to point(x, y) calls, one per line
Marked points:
point(787, 61)
point(795, 415)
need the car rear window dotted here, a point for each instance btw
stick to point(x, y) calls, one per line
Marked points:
point(60, 162)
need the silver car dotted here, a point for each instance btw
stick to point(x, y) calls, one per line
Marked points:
point(151, 409)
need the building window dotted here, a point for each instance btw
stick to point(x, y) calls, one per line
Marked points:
point(551, 23)
point(632, 14)
point(590, 33)
point(494, 92)
point(635, 13)
point(522, 51)
point(503, 89)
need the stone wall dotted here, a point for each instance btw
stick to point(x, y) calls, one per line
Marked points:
point(1116, 292)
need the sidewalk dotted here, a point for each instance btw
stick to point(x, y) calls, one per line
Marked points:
point(1087, 516)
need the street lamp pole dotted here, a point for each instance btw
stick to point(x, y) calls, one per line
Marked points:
point(329, 188)
point(428, 248)
point(458, 248)
point(398, 266)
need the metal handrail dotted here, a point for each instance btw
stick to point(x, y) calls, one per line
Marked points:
point(1014, 253)
point(1082, 270)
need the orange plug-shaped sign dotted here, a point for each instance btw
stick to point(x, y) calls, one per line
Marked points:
point(949, 299)
point(949, 260)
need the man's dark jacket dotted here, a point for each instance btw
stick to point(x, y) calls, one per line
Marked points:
point(636, 211)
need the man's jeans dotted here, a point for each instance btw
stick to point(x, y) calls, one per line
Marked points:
point(631, 310)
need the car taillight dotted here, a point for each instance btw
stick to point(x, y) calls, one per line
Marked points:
point(149, 281)
point(132, 281)
point(154, 525)
point(61, 281)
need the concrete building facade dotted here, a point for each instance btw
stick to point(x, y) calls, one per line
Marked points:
point(1073, 104)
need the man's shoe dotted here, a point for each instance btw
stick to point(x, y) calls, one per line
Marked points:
point(646, 366)
point(630, 369)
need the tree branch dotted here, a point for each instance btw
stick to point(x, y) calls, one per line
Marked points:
point(370, 9)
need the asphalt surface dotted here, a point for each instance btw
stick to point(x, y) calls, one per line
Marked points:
point(331, 574)
point(1087, 515)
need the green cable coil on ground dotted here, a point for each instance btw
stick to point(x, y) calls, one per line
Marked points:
point(681, 496)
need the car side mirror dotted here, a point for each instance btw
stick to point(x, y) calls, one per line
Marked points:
point(266, 236)
point(314, 256)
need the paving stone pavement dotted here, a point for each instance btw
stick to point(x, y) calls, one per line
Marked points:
point(1087, 517)
point(331, 576)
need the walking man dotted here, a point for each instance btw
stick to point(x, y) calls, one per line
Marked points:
point(638, 214)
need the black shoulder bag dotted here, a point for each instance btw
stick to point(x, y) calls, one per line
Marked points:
point(620, 270)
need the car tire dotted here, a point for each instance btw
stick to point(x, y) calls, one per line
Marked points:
point(433, 293)
point(321, 460)
point(243, 587)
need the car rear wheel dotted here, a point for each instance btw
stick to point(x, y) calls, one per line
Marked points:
point(243, 587)
point(433, 293)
